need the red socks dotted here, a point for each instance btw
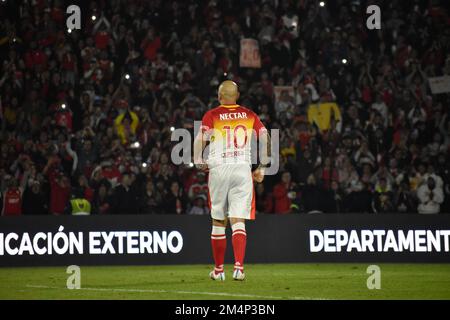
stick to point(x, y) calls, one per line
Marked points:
point(219, 245)
point(239, 244)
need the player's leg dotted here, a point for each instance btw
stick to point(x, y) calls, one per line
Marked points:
point(241, 208)
point(219, 247)
point(218, 203)
point(239, 240)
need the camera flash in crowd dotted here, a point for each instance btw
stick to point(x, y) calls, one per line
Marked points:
point(225, 74)
point(69, 30)
point(344, 61)
point(127, 76)
point(136, 144)
point(191, 164)
point(172, 129)
point(322, 3)
point(93, 18)
point(144, 165)
point(63, 106)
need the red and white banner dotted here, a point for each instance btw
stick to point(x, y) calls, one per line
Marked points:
point(250, 56)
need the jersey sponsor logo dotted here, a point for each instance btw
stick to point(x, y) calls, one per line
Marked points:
point(233, 116)
point(233, 154)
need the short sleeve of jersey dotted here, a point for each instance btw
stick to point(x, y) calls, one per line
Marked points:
point(258, 125)
point(207, 123)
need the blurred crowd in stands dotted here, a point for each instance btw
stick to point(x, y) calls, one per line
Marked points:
point(89, 113)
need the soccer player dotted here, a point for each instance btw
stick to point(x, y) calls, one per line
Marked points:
point(229, 129)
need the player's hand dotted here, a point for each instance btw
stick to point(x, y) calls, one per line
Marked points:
point(258, 175)
point(202, 166)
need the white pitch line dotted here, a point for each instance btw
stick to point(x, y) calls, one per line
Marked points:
point(236, 295)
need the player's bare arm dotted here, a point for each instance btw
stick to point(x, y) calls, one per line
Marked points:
point(200, 143)
point(258, 174)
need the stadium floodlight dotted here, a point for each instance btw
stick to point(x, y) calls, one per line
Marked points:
point(322, 3)
point(135, 145)
point(344, 61)
point(93, 18)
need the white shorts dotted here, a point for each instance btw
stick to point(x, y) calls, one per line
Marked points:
point(231, 193)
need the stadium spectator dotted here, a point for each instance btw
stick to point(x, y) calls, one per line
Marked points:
point(199, 187)
point(59, 185)
point(430, 196)
point(12, 196)
point(151, 200)
point(126, 125)
point(34, 200)
point(304, 165)
point(383, 197)
point(102, 201)
point(199, 207)
point(322, 114)
point(263, 199)
point(125, 196)
point(404, 200)
point(174, 200)
point(284, 194)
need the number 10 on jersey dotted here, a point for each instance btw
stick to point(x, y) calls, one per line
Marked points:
point(238, 135)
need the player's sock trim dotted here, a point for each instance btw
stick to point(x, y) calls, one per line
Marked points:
point(218, 238)
point(239, 232)
point(238, 267)
point(216, 230)
point(218, 233)
point(238, 226)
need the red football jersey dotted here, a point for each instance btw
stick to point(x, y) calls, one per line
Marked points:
point(230, 130)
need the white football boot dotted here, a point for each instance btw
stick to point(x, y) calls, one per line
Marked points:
point(217, 276)
point(238, 274)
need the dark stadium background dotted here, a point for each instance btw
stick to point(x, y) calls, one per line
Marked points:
point(393, 136)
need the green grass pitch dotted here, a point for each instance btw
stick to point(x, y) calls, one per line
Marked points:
point(264, 281)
